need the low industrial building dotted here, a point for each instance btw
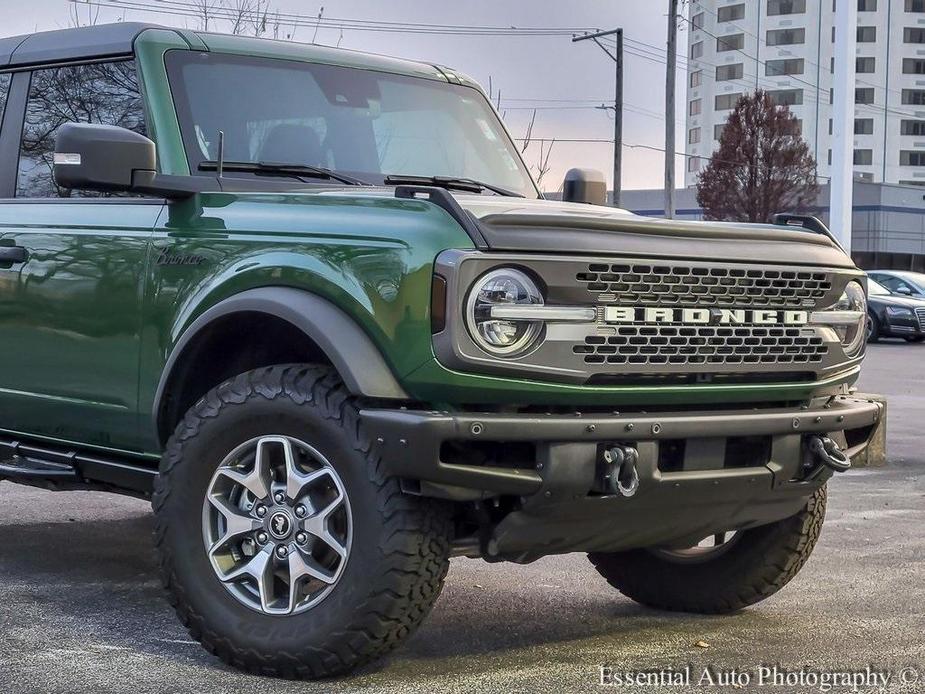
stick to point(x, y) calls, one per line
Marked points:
point(888, 228)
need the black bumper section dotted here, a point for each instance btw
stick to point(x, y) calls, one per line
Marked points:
point(560, 512)
point(409, 441)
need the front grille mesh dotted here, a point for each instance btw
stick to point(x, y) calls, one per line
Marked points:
point(717, 345)
point(668, 285)
point(920, 314)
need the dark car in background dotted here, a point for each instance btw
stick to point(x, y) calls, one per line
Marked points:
point(893, 314)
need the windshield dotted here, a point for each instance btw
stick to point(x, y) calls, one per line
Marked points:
point(361, 123)
point(874, 288)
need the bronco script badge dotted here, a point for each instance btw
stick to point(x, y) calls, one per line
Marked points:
point(167, 257)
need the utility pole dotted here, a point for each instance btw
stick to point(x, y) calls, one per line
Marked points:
point(670, 75)
point(617, 105)
point(841, 184)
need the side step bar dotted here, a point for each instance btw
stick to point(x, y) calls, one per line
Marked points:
point(59, 468)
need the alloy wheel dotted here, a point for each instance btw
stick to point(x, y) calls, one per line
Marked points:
point(276, 525)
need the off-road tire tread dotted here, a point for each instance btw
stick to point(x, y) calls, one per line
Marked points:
point(771, 565)
point(414, 546)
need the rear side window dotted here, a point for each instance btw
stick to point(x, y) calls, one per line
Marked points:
point(4, 90)
point(104, 93)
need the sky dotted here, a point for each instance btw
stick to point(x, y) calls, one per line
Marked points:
point(564, 81)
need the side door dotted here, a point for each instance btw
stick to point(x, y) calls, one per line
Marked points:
point(71, 267)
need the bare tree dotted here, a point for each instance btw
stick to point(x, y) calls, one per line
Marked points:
point(542, 167)
point(241, 17)
point(240, 13)
point(90, 17)
point(205, 11)
point(762, 166)
point(528, 134)
point(495, 98)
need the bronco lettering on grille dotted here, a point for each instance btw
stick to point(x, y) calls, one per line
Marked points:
point(703, 316)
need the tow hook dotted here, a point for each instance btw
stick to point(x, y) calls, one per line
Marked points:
point(827, 452)
point(619, 474)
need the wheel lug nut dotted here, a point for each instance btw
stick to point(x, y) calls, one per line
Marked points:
point(261, 510)
point(300, 511)
point(279, 497)
point(301, 538)
point(282, 551)
point(262, 538)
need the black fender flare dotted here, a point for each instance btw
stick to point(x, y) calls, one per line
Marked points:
point(346, 344)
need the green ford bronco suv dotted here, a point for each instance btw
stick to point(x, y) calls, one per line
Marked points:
point(311, 303)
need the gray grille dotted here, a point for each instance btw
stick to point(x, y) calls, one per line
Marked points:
point(667, 344)
point(920, 314)
point(665, 285)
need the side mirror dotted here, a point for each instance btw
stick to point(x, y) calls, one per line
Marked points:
point(585, 185)
point(904, 290)
point(110, 159)
point(104, 158)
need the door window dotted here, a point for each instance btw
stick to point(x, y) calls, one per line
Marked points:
point(894, 284)
point(105, 93)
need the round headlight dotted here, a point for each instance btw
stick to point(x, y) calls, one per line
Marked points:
point(503, 337)
point(852, 333)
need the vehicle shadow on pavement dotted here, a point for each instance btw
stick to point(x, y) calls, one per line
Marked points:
point(586, 611)
point(94, 584)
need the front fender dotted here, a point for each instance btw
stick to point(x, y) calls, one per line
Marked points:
point(349, 349)
point(352, 272)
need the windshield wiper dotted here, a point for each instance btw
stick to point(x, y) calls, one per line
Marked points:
point(300, 171)
point(450, 182)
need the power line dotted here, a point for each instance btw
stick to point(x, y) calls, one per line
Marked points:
point(639, 49)
point(186, 9)
point(594, 104)
point(745, 81)
point(654, 148)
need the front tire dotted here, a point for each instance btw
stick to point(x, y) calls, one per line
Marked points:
point(755, 565)
point(269, 472)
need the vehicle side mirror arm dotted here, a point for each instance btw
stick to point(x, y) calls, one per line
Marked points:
point(172, 187)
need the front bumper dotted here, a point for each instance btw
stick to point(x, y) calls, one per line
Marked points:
point(704, 490)
point(903, 326)
point(410, 441)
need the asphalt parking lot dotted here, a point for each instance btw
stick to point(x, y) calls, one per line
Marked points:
point(81, 607)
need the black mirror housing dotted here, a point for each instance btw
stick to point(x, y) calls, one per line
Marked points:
point(110, 159)
point(585, 185)
point(104, 158)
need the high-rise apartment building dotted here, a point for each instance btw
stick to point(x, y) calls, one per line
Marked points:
point(786, 48)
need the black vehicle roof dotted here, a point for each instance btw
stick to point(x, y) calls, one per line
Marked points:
point(64, 45)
